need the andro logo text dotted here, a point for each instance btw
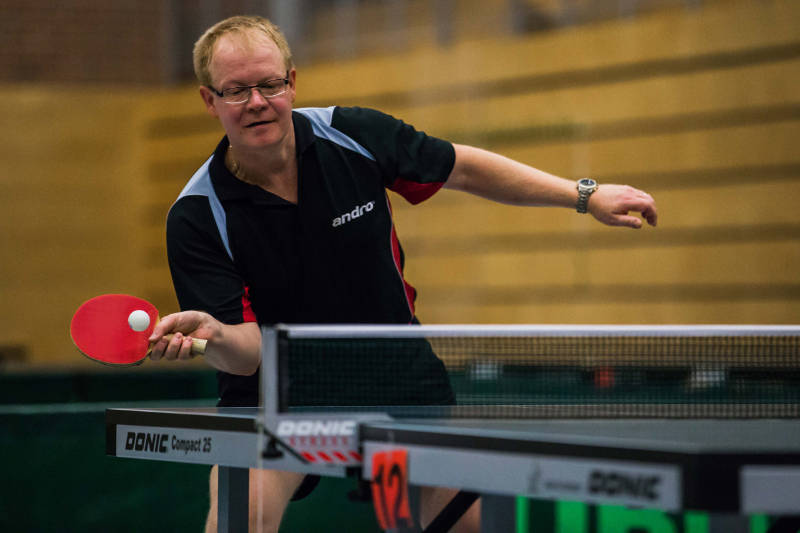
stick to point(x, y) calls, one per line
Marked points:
point(317, 428)
point(147, 442)
point(355, 213)
point(618, 484)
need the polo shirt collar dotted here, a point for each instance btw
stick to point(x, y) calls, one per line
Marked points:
point(226, 185)
point(229, 187)
point(303, 133)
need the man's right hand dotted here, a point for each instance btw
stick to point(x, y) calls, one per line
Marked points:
point(235, 349)
point(185, 326)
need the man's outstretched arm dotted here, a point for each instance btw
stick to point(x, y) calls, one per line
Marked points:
point(235, 349)
point(504, 180)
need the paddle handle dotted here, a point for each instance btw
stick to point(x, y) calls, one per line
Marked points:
point(198, 345)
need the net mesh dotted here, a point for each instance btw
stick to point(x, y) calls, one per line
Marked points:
point(531, 376)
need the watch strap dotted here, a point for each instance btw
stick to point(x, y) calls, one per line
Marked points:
point(584, 192)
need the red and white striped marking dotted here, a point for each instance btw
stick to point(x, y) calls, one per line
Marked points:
point(332, 457)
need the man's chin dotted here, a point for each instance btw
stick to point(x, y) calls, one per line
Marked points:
point(262, 138)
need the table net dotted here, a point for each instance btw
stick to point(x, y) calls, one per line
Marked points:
point(542, 372)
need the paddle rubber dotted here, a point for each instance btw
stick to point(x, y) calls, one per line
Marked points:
point(100, 329)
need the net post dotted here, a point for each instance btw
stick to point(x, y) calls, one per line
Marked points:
point(270, 372)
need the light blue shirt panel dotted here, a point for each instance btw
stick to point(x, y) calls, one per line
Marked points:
point(200, 185)
point(321, 118)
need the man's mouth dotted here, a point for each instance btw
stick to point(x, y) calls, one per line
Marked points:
point(261, 123)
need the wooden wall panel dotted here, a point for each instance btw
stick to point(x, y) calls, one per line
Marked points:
point(715, 28)
point(657, 311)
point(688, 96)
point(67, 223)
point(755, 145)
point(748, 263)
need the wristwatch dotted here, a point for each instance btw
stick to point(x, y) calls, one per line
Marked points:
point(586, 187)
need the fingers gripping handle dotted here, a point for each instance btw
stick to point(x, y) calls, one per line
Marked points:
point(198, 345)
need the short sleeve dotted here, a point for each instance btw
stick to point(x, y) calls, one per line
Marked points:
point(204, 275)
point(414, 165)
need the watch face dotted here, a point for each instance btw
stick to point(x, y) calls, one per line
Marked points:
point(587, 182)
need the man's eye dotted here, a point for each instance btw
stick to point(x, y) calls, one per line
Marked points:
point(236, 91)
point(271, 86)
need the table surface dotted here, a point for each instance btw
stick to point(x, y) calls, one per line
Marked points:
point(699, 436)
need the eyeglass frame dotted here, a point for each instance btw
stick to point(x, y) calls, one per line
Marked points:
point(250, 88)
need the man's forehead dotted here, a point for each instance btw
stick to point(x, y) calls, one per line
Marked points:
point(239, 54)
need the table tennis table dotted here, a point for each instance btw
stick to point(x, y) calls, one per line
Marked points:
point(718, 466)
point(726, 467)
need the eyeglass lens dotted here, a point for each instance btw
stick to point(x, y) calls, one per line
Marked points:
point(267, 90)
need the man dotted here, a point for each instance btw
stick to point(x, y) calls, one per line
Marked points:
point(289, 221)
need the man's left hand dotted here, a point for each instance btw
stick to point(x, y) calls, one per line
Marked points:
point(610, 204)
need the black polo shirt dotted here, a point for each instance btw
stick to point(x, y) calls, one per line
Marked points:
point(243, 254)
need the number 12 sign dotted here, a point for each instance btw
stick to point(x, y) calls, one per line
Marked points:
point(390, 489)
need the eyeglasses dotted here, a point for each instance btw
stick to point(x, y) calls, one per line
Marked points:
point(240, 95)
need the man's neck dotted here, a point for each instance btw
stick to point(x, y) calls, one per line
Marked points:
point(273, 169)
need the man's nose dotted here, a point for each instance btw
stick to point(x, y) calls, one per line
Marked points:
point(256, 99)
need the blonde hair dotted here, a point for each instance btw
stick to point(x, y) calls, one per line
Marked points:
point(239, 26)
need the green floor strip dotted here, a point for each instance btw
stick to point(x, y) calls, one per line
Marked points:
point(523, 514)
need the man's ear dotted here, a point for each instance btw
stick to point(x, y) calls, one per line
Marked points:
point(208, 99)
point(292, 83)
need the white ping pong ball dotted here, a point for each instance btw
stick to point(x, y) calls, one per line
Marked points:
point(139, 320)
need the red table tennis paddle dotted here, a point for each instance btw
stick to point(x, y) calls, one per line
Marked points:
point(114, 330)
